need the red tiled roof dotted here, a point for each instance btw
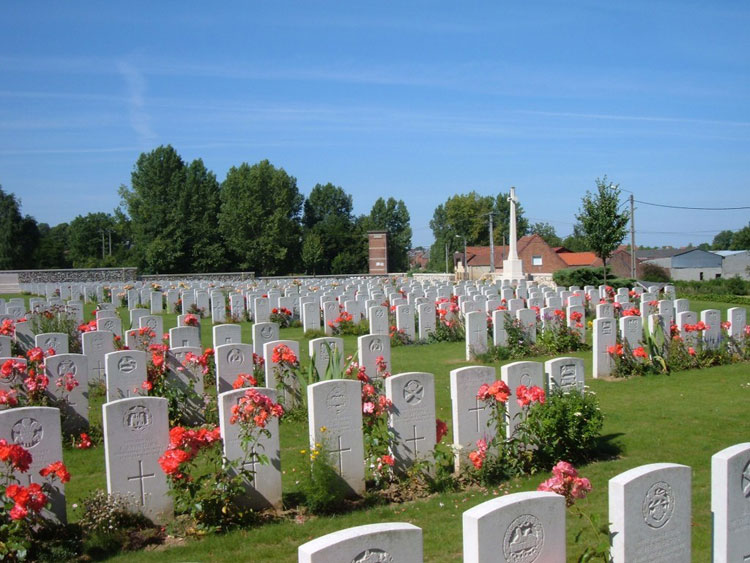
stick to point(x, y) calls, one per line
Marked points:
point(578, 258)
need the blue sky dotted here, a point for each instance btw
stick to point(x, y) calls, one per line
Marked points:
point(415, 100)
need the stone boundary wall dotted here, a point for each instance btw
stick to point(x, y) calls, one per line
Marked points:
point(219, 276)
point(434, 277)
point(76, 275)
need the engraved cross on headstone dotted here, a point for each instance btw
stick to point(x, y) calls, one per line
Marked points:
point(340, 453)
point(476, 410)
point(415, 439)
point(141, 477)
point(251, 466)
point(99, 369)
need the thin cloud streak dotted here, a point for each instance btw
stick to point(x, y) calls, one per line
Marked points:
point(139, 118)
point(659, 119)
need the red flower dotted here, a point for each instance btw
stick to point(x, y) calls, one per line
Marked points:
point(244, 380)
point(59, 469)
point(8, 398)
point(284, 354)
point(526, 395)
point(171, 460)
point(441, 429)
point(616, 350)
point(85, 442)
point(387, 460)
point(498, 391)
point(35, 354)
point(691, 351)
point(640, 352)
point(576, 316)
point(14, 454)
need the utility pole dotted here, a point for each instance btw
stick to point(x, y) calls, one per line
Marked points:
point(632, 238)
point(102, 233)
point(492, 248)
point(446, 257)
point(109, 232)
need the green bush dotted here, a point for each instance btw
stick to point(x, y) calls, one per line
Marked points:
point(566, 427)
point(718, 287)
point(589, 276)
point(654, 273)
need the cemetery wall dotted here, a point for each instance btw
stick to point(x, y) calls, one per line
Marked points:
point(76, 275)
point(220, 276)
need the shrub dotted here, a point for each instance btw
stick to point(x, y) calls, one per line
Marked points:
point(567, 426)
point(324, 489)
point(654, 273)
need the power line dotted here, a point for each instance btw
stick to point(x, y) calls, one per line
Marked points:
point(693, 208)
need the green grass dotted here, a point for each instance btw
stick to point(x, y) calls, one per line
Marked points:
point(682, 418)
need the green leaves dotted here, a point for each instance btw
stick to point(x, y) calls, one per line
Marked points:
point(602, 224)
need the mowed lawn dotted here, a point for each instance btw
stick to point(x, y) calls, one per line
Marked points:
point(682, 418)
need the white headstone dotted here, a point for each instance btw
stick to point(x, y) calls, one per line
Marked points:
point(320, 350)
point(378, 317)
point(232, 360)
point(650, 514)
point(530, 374)
point(631, 331)
point(470, 415)
point(373, 543)
point(566, 374)
point(412, 416)
point(126, 373)
point(516, 528)
point(75, 410)
point(427, 320)
point(227, 334)
point(730, 503)
point(58, 341)
point(263, 333)
point(96, 345)
point(290, 399)
point(264, 489)
point(136, 434)
point(335, 414)
point(370, 347)
point(605, 335)
point(476, 334)
point(37, 429)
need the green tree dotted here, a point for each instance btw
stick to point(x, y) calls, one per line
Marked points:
point(547, 232)
point(260, 214)
point(467, 215)
point(89, 238)
point(19, 234)
point(312, 253)
point(199, 207)
point(576, 241)
point(741, 239)
point(328, 215)
point(392, 216)
point(158, 231)
point(602, 223)
point(52, 251)
point(723, 240)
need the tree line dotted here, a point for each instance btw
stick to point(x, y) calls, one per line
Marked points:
point(176, 217)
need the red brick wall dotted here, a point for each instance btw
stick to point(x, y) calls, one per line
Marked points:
point(536, 246)
point(378, 259)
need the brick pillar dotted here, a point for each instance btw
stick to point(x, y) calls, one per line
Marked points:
point(378, 244)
